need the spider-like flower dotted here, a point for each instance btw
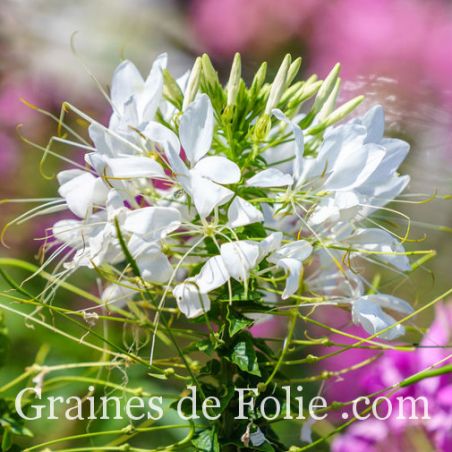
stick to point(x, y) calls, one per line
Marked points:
point(216, 191)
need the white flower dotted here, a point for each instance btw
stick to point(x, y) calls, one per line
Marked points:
point(135, 100)
point(368, 312)
point(353, 174)
point(206, 175)
point(241, 213)
point(152, 223)
point(190, 300)
point(149, 226)
point(93, 238)
point(236, 260)
point(122, 164)
point(290, 257)
point(379, 241)
point(357, 167)
point(82, 191)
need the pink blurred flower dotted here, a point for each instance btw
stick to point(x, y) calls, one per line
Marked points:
point(405, 40)
point(12, 110)
point(397, 434)
point(9, 155)
point(401, 39)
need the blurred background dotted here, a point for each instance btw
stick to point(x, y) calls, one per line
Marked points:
point(396, 52)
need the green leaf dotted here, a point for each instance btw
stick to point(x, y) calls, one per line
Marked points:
point(204, 346)
point(237, 322)
point(244, 356)
point(7, 440)
point(266, 447)
point(9, 423)
point(206, 441)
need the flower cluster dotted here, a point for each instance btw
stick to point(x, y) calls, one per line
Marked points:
point(216, 194)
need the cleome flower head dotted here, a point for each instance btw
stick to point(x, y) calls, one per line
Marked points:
point(206, 195)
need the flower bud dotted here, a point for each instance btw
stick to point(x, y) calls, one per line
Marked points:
point(278, 85)
point(262, 128)
point(259, 79)
point(234, 80)
point(193, 84)
point(209, 73)
point(326, 88)
point(293, 71)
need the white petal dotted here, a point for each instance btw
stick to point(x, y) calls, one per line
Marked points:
point(100, 192)
point(212, 275)
point(168, 140)
point(115, 206)
point(241, 213)
point(160, 134)
point(374, 120)
point(102, 248)
point(153, 223)
point(118, 295)
point(82, 192)
point(154, 266)
point(349, 164)
point(98, 136)
point(325, 211)
point(395, 153)
point(339, 142)
point(269, 244)
point(107, 144)
point(390, 302)
point(293, 267)
point(346, 200)
point(207, 195)
point(270, 177)
point(306, 430)
point(373, 319)
point(190, 300)
point(67, 175)
point(387, 192)
point(300, 250)
point(299, 143)
point(374, 239)
point(68, 232)
point(218, 169)
point(126, 81)
point(131, 167)
point(149, 99)
point(196, 128)
point(375, 157)
point(239, 258)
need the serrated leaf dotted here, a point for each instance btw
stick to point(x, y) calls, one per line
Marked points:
point(237, 322)
point(206, 441)
point(244, 356)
